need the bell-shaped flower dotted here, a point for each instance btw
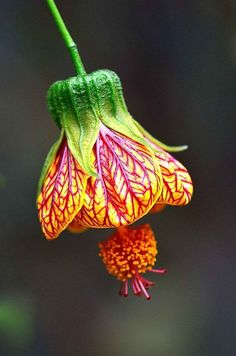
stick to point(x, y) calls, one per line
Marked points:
point(102, 172)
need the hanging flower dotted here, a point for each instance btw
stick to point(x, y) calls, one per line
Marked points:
point(101, 172)
point(105, 170)
point(128, 254)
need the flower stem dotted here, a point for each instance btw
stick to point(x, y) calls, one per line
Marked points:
point(70, 44)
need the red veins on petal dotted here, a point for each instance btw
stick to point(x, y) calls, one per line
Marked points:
point(177, 183)
point(62, 193)
point(128, 185)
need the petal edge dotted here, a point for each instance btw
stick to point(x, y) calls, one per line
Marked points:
point(62, 193)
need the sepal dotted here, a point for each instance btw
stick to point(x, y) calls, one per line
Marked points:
point(113, 110)
point(81, 138)
point(80, 104)
point(159, 143)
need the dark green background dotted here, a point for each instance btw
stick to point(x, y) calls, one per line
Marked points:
point(177, 62)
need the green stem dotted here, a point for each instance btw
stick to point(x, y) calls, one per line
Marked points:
point(70, 44)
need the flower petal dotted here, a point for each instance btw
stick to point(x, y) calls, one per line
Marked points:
point(157, 208)
point(128, 185)
point(76, 228)
point(177, 183)
point(62, 193)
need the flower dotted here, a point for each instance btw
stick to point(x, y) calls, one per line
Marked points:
point(128, 254)
point(105, 170)
point(101, 172)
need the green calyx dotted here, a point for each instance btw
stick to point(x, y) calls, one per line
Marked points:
point(159, 143)
point(80, 104)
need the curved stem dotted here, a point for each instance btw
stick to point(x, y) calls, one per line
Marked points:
point(70, 44)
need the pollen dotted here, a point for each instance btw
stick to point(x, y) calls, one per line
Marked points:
point(129, 253)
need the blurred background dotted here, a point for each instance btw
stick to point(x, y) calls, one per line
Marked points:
point(177, 63)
